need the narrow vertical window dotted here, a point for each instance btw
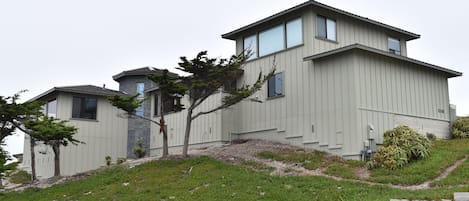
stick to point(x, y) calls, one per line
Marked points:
point(394, 46)
point(140, 91)
point(294, 32)
point(250, 46)
point(275, 85)
point(326, 28)
point(52, 108)
point(156, 105)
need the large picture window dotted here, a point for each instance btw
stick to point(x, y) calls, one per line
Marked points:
point(275, 85)
point(84, 108)
point(286, 35)
point(326, 28)
point(271, 40)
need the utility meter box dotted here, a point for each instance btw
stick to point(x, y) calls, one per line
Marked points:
point(371, 133)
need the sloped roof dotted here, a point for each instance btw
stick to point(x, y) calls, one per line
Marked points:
point(451, 73)
point(81, 89)
point(137, 72)
point(233, 34)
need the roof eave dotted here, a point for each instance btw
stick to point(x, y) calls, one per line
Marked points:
point(234, 34)
point(449, 72)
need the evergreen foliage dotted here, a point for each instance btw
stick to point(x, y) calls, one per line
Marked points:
point(460, 128)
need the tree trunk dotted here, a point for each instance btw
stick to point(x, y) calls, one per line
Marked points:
point(185, 148)
point(163, 129)
point(32, 143)
point(56, 149)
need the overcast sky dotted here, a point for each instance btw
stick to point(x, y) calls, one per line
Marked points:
point(51, 43)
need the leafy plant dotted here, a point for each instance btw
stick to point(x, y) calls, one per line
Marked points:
point(431, 136)
point(108, 160)
point(460, 128)
point(120, 160)
point(401, 146)
point(139, 149)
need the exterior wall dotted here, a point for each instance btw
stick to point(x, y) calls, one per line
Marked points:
point(137, 128)
point(205, 130)
point(394, 93)
point(106, 136)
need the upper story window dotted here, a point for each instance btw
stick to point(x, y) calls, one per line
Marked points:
point(84, 108)
point(140, 89)
point(326, 28)
point(250, 46)
point(275, 85)
point(168, 107)
point(271, 40)
point(286, 35)
point(51, 108)
point(394, 46)
point(294, 32)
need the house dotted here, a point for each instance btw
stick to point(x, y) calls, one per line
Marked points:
point(341, 81)
point(100, 128)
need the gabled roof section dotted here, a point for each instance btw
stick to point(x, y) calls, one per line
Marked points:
point(234, 34)
point(81, 89)
point(137, 72)
point(359, 47)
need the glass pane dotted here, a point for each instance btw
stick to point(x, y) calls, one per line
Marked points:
point(52, 108)
point(156, 105)
point(140, 89)
point(76, 107)
point(294, 33)
point(250, 45)
point(271, 87)
point(279, 84)
point(321, 26)
point(90, 108)
point(271, 40)
point(394, 46)
point(139, 110)
point(331, 32)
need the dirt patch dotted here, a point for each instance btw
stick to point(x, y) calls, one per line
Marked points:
point(362, 172)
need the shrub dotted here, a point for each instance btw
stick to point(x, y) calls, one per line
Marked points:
point(120, 160)
point(391, 157)
point(461, 128)
point(108, 160)
point(401, 145)
point(139, 150)
point(431, 136)
point(20, 177)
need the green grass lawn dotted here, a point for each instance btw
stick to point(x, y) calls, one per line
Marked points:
point(208, 179)
point(444, 154)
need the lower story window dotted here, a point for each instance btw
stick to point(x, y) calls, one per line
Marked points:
point(275, 85)
point(84, 108)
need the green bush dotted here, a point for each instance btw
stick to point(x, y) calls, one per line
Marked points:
point(108, 160)
point(20, 177)
point(120, 160)
point(139, 150)
point(401, 145)
point(461, 128)
point(431, 137)
point(390, 157)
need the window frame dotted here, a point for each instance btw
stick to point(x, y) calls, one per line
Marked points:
point(285, 48)
point(284, 35)
point(256, 51)
point(325, 26)
point(47, 107)
point(399, 42)
point(157, 102)
point(283, 86)
point(82, 103)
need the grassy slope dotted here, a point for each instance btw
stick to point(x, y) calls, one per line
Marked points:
point(210, 179)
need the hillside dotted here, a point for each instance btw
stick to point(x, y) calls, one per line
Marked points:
point(207, 178)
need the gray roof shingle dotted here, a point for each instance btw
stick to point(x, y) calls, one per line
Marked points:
point(81, 89)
